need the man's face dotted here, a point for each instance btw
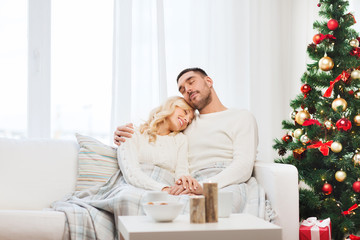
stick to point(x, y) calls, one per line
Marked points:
point(196, 89)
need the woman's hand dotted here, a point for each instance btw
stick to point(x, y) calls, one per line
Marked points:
point(122, 132)
point(188, 182)
point(186, 185)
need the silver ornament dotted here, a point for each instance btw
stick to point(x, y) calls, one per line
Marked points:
point(304, 139)
point(356, 159)
point(292, 115)
point(354, 43)
point(328, 124)
point(357, 94)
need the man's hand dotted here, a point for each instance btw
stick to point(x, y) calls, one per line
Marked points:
point(166, 189)
point(177, 190)
point(122, 132)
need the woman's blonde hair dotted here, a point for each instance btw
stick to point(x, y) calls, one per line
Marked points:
point(158, 116)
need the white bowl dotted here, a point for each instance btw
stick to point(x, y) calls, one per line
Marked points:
point(163, 211)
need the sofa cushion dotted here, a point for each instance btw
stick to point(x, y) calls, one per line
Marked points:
point(31, 225)
point(97, 162)
point(36, 172)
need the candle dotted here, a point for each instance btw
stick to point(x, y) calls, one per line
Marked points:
point(197, 209)
point(211, 201)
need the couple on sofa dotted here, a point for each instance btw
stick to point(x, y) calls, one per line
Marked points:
point(174, 151)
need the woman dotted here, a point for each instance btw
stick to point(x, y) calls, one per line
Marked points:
point(152, 159)
point(160, 142)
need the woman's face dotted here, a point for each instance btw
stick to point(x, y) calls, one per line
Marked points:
point(180, 119)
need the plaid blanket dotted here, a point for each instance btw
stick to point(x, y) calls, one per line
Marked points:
point(92, 213)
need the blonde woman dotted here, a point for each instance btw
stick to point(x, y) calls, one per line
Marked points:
point(151, 159)
point(160, 142)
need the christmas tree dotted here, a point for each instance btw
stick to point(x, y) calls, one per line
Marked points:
point(323, 134)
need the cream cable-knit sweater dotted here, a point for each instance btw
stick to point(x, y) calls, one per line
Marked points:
point(168, 152)
point(227, 137)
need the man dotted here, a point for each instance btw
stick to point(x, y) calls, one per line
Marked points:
point(222, 142)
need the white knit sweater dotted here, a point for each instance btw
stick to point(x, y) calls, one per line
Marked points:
point(168, 152)
point(228, 137)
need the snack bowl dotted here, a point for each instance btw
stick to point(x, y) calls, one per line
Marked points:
point(163, 211)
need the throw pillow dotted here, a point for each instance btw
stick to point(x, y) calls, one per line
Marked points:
point(97, 162)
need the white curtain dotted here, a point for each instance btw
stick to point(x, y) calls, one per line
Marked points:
point(255, 51)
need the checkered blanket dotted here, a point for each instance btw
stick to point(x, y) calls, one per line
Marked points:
point(92, 214)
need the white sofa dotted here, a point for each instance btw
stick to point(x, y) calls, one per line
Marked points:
point(34, 173)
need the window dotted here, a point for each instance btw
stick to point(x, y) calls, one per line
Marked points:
point(81, 71)
point(13, 68)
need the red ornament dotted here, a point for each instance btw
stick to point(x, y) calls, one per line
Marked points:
point(327, 189)
point(332, 24)
point(317, 39)
point(351, 92)
point(343, 124)
point(287, 138)
point(356, 186)
point(305, 89)
point(319, 4)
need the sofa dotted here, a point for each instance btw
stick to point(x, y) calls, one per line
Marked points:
point(36, 172)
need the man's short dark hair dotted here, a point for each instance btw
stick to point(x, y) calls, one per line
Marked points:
point(197, 70)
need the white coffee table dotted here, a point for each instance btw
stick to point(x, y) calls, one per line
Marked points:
point(237, 226)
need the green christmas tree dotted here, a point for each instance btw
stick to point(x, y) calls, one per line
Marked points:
point(323, 135)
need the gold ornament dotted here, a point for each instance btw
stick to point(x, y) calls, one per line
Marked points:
point(298, 132)
point(336, 147)
point(340, 175)
point(355, 74)
point(328, 124)
point(357, 120)
point(304, 139)
point(339, 102)
point(326, 63)
point(356, 159)
point(354, 43)
point(301, 116)
point(357, 94)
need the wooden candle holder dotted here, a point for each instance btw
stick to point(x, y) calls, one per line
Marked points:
point(197, 209)
point(211, 202)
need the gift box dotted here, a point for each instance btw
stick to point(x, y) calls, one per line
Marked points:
point(313, 229)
